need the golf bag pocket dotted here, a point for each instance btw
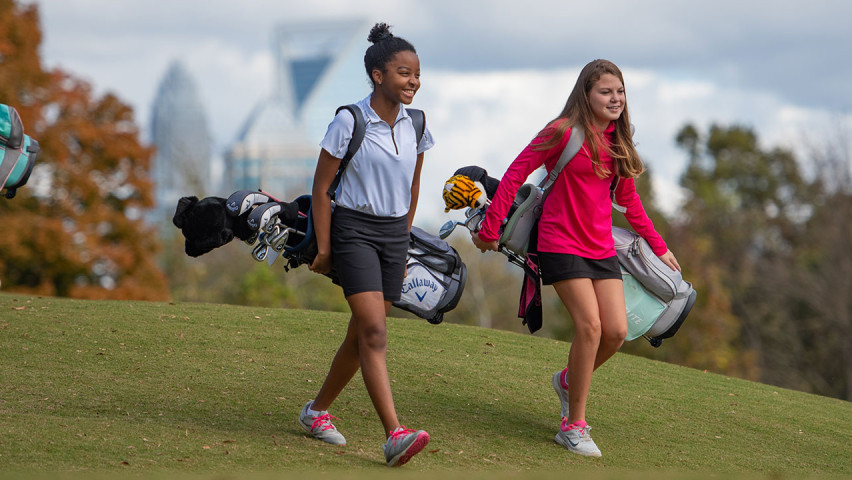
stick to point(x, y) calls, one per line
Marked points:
point(435, 277)
point(643, 308)
point(11, 127)
point(302, 246)
point(525, 211)
point(658, 298)
point(17, 152)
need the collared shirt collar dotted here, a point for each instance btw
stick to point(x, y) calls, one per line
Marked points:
point(370, 115)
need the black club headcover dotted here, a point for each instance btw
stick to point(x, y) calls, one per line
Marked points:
point(204, 224)
point(478, 174)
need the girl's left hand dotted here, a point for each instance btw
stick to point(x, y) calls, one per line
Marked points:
point(669, 259)
point(321, 264)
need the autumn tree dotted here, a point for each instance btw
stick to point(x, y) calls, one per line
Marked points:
point(76, 229)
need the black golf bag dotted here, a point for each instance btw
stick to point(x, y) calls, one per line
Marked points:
point(435, 277)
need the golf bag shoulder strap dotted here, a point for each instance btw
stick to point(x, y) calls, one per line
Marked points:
point(354, 144)
point(418, 120)
point(575, 143)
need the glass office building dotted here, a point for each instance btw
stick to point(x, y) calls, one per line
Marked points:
point(319, 66)
point(180, 134)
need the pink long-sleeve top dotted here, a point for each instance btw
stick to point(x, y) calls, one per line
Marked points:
point(577, 213)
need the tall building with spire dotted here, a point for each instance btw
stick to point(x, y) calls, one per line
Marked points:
point(180, 134)
point(319, 66)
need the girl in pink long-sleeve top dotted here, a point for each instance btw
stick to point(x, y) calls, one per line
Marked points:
point(575, 246)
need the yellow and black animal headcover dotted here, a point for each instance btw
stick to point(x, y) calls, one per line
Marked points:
point(460, 192)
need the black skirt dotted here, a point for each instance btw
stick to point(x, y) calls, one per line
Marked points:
point(369, 252)
point(556, 267)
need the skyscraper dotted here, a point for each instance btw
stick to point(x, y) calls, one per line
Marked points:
point(319, 66)
point(180, 134)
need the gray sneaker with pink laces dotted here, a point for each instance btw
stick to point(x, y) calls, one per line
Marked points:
point(320, 426)
point(403, 444)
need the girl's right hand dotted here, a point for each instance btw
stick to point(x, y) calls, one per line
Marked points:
point(481, 244)
point(321, 264)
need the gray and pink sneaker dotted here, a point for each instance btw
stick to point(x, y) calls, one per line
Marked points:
point(320, 426)
point(403, 444)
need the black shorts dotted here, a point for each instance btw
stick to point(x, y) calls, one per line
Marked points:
point(555, 267)
point(369, 252)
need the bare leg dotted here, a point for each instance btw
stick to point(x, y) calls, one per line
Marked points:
point(346, 362)
point(600, 323)
point(365, 346)
point(578, 296)
point(613, 317)
point(369, 309)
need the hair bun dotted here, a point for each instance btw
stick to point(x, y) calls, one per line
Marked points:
point(379, 32)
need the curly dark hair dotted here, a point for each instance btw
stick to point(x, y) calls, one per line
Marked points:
point(384, 46)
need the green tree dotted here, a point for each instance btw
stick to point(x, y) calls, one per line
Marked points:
point(76, 229)
point(742, 220)
point(808, 344)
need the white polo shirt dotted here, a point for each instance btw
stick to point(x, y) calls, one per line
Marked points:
point(378, 178)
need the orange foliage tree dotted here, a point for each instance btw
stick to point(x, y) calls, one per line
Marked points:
point(77, 228)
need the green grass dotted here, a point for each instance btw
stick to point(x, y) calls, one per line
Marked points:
point(165, 390)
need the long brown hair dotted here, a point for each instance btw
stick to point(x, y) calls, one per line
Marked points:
point(577, 111)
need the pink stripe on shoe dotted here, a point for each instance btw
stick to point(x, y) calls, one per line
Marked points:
point(415, 448)
point(563, 378)
point(578, 425)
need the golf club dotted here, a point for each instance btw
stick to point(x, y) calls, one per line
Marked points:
point(472, 222)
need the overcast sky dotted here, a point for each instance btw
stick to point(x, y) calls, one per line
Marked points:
point(494, 71)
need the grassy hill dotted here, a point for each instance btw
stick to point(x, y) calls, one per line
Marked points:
point(160, 389)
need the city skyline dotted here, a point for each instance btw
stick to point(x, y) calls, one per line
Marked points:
point(183, 157)
point(276, 149)
point(495, 72)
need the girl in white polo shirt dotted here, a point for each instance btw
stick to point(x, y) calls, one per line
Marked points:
point(366, 236)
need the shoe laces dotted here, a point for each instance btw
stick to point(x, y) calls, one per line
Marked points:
point(399, 433)
point(324, 421)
